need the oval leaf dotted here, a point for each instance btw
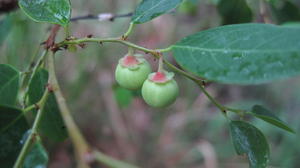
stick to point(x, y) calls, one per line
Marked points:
point(234, 11)
point(247, 139)
point(12, 127)
point(9, 84)
point(51, 11)
point(150, 9)
point(52, 124)
point(241, 54)
point(264, 114)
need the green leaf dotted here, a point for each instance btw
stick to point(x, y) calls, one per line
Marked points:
point(241, 54)
point(234, 11)
point(123, 96)
point(264, 114)
point(52, 124)
point(150, 9)
point(249, 140)
point(9, 84)
point(11, 134)
point(51, 11)
point(37, 157)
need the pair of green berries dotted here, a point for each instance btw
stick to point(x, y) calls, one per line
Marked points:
point(159, 89)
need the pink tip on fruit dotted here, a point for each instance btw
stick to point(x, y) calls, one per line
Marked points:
point(159, 77)
point(130, 60)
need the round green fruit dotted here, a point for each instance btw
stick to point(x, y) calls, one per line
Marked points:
point(132, 71)
point(160, 89)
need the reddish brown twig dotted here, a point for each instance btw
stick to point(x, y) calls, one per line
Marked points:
point(49, 43)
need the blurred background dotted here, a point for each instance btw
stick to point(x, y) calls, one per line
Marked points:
point(192, 132)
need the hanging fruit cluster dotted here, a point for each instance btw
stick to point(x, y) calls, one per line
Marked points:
point(159, 89)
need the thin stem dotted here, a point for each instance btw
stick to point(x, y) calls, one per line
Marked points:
point(36, 67)
point(174, 68)
point(29, 108)
point(214, 101)
point(111, 162)
point(165, 49)
point(34, 131)
point(234, 110)
point(67, 31)
point(131, 26)
point(99, 40)
point(81, 146)
point(199, 83)
point(155, 53)
point(130, 51)
point(239, 112)
point(161, 64)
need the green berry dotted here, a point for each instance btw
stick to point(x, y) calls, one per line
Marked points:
point(132, 71)
point(160, 89)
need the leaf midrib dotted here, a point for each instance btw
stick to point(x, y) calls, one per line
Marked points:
point(235, 50)
point(12, 79)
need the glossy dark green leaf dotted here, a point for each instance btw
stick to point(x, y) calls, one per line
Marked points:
point(241, 54)
point(123, 96)
point(5, 27)
point(264, 114)
point(9, 84)
point(150, 9)
point(52, 124)
point(249, 140)
point(234, 11)
point(11, 133)
point(37, 157)
point(51, 11)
